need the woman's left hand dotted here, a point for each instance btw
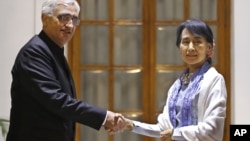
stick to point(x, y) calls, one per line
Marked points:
point(166, 135)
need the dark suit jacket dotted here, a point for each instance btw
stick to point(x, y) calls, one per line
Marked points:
point(44, 106)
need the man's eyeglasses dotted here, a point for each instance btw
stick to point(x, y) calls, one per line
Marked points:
point(65, 18)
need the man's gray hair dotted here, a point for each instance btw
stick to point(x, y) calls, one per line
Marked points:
point(48, 6)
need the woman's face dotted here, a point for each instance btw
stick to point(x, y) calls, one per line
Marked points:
point(194, 49)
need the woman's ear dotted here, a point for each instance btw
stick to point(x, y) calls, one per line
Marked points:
point(210, 46)
point(210, 50)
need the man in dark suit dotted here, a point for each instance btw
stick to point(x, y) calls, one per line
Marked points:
point(44, 105)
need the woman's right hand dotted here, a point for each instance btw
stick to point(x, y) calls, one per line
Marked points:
point(166, 135)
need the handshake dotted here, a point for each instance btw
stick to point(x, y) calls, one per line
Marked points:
point(116, 123)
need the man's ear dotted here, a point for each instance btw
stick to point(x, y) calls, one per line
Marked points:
point(45, 20)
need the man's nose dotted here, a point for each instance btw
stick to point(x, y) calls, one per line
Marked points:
point(70, 23)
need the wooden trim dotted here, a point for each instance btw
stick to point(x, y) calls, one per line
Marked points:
point(186, 9)
point(227, 61)
point(74, 63)
point(223, 48)
point(151, 63)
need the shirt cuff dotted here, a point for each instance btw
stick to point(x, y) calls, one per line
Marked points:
point(105, 118)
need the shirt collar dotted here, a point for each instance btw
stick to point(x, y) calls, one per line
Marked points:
point(51, 44)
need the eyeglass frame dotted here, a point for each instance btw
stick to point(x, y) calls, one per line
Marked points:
point(65, 18)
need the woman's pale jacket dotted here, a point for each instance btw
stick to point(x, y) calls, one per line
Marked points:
point(211, 113)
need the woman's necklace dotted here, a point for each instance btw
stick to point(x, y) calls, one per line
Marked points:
point(185, 79)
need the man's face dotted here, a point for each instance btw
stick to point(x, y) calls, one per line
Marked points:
point(61, 26)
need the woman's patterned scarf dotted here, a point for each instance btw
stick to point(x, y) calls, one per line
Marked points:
point(192, 90)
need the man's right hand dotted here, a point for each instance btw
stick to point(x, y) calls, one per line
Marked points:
point(116, 123)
